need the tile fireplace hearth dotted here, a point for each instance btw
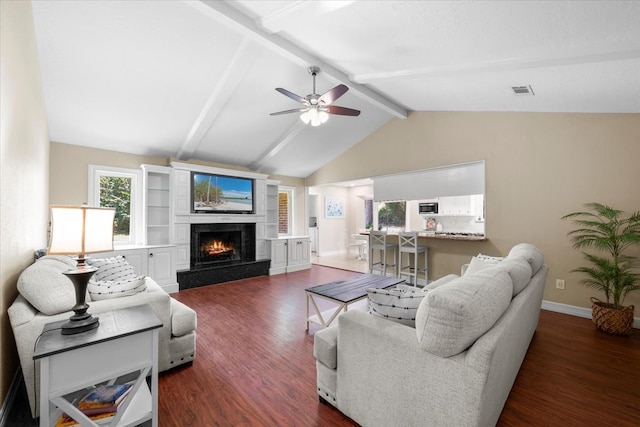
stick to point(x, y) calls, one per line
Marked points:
point(221, 253)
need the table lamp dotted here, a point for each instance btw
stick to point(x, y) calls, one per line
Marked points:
point(80, 230)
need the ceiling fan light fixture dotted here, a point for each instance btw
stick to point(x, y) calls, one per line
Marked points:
point(323, 116)
point(305, 117)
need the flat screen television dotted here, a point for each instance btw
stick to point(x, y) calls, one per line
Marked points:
point(212, 193)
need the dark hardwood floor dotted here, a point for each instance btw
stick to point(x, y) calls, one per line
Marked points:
point(254, 365)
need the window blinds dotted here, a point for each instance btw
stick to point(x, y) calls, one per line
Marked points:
point(455, 180)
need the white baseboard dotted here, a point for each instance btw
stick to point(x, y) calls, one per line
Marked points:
point(11, 395)
point(576, 311)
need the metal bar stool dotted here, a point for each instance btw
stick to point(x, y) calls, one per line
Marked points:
point(409, 246)
point(378, 244)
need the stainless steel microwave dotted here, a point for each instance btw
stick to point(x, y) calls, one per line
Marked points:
point(428, 208)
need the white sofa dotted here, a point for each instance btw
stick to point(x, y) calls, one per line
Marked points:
point(457, 365)
point(46, 295)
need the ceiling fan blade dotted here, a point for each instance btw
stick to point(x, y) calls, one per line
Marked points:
point(295, 110)
point(292, 95)
point(332, 94)
point(342, 111)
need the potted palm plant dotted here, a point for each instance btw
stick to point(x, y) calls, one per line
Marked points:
point(614, 272)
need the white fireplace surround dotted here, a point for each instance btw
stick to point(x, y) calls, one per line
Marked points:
point(182, 217)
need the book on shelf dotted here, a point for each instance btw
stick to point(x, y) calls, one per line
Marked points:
point(104, 396)
point(100, 404)
point(66, 421)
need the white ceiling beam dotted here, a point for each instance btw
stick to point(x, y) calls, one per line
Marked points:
point(280, 143)
point(234, 18)
point(557, 60)
point(235, 71)
point(299, 11)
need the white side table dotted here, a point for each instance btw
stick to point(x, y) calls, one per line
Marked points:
point(126, 342)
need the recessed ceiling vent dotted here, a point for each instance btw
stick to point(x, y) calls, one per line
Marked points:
point(522, 90)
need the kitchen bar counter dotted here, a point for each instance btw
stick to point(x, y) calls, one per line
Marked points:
point(430, 235)
point(438, 236)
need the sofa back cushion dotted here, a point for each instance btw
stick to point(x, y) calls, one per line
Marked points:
point(452, 317)
point(518, 269)
point(44, 286)
point(529, 252)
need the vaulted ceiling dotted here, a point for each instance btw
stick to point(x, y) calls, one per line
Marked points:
point(197, 79)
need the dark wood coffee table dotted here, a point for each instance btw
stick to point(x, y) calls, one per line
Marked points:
point(343, 293)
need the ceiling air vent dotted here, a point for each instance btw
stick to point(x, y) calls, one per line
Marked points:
point(522, 90)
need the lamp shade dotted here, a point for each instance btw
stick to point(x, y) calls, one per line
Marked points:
point(81, 230)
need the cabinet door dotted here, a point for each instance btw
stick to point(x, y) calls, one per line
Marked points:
point(278, 253)
point(305, 251)
point(162, 265)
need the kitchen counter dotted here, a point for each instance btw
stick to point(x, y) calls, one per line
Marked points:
point(431, 235)
point(438, 236)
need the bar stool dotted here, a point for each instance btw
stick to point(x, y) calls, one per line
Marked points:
point(409, 246)
point(378, 244)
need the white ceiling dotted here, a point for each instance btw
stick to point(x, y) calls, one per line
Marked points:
point(196, 79)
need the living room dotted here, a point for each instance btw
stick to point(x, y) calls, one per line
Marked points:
point(539, 167)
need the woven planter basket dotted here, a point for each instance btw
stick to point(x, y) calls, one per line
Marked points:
point(610, 320)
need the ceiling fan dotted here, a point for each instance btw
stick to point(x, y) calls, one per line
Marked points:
point(317, 108)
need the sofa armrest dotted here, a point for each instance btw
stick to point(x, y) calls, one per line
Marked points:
point(21, 312)
point(376, 354)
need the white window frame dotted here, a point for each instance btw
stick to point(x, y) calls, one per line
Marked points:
point(136, 228)
point(291, 194)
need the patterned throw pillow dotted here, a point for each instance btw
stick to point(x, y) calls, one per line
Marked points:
point(115, 278)
point(399, 304)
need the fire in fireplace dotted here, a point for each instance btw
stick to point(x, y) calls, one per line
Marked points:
point(221, 244)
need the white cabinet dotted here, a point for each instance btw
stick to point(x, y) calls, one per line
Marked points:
point(157, 204)
point(299, 254)
point(157, 262)
point(269, 228)
point(290, 254)
point(278, 256)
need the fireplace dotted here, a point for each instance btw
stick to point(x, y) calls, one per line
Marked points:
point(214, 245)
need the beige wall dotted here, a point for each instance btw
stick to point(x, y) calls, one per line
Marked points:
point(70, 166)
point(24, 166)
point(539, 167)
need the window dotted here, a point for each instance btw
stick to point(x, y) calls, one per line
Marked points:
point(392, 215)
point(118, 188)
point(285, 210)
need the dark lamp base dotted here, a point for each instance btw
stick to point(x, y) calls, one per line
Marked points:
point(74, 326)
point(81, 321)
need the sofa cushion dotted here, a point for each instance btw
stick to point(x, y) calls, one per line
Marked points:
point(518, 269)
point(398, 304)
point(325, 347)
point(106, 289)
point(532, 254)
point(441, 281)
point(44, 286)
point(112, 268)
point(115, 278)
point(478, 264)
point(453, 317)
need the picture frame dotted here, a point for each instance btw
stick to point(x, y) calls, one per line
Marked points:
point(334, 208)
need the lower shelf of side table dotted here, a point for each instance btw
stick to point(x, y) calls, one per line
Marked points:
point(136, 413)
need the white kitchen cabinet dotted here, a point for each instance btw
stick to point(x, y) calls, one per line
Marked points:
point(290, 254)
point(157, 262)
